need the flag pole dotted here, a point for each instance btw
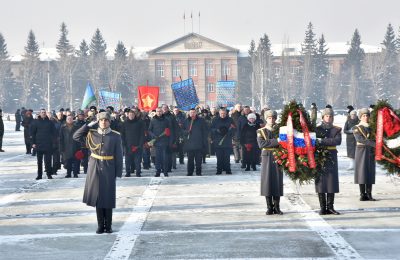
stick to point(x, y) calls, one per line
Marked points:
point(184, 24)
point(199, 22)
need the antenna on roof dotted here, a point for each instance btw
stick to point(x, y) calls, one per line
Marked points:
point(184, 22)
point(199, 22)
point(191, 17)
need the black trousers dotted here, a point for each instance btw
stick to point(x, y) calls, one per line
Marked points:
point(1, 141)
point(72, 165)
point(194, 156)
point(47, 162)
point(223, 159)
point(133, 161)
point(17, 126)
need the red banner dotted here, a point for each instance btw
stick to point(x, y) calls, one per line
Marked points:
point(391, 122)
point(307, 140)
point(290, 141)
point(379, 135)
point(148, 97)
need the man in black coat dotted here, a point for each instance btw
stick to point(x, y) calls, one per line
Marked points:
point(174, 134)
point(43, 137)
point(1, 130)
point(132, 133)
point(105, 166)
point(235, 115)
point(241, 122)
point(18, 120)
point(80, 121)
point(160, 132)
point(222, 131)
point(195, 132)
point(69, 147)
point(180, 119)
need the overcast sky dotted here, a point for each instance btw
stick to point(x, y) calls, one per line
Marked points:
point(151, 23)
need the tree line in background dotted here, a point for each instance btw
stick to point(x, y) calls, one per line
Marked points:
point(69, 74)
point(277, 78)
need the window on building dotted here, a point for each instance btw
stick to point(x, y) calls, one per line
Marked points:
point(160, 68)
point(176, 68)
point(226, 68)
point(277, 71)
point(210, 87)
point(162, 89)
point(331, 69)
point(192, 68)
point(211, 103)
point(209, 68)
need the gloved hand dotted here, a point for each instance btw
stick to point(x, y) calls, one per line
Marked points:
point(134, 148)
point(92, 123)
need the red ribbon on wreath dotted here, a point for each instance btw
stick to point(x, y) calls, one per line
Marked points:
point(290, 141)
point(307, 140)
point(379, 136)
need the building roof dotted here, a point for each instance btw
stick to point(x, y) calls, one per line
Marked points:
point(173, 46)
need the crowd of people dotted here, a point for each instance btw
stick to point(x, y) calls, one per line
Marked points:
point(97, 140)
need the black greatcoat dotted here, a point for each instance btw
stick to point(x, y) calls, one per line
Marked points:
point(100, 190)
point(331, 136)
point(196, 135)
point(43, 134)
point(364, 170)
point(350, 139)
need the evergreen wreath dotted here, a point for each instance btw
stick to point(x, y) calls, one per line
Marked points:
point(392, 166)
point(303, 173)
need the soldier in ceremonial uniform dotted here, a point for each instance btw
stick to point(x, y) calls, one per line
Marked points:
point(105, 165)
point(364, 171)
point(271, 175)
point(327, 184)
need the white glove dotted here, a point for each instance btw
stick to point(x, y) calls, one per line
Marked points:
point(92, 123)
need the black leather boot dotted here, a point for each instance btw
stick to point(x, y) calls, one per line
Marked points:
point(100, 221)
point(330, 202)
point(322, 203)
point(369, 192)
point(247, 167)
point(277, 209)
point(363, 195)
point(270, 209)
point(108, 220)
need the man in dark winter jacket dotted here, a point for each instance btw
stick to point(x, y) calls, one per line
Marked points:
point(43, 137)
point(69, 147)
point(173, 128)
point(195, 132)
point(1, 130)
point(18, 120)
point(132, 133)
point(241, 122)
point(162, 139)
point(235, 115)
point(222, 131)
point(180, 119)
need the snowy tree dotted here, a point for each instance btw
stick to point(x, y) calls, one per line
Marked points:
point(97, 61)
point(117, 67)
point(6, 80)
point(309, 50)
point(33, 93)
point(83, 49)
point(66, 65)
point(81, 75)
point(264, 54)
point(389, 75)
point(353, 85)
point(321, 73)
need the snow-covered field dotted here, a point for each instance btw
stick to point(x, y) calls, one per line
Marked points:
point(180, 217)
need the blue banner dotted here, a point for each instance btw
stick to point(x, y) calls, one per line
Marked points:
point(107, 98)
point(185, 94)
point(226, 96)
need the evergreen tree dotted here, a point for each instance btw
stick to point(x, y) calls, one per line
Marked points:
point(354, 90)
point(308, 50)
point(33, 91)
point(7, 92)
point(83, 49)
point(98, 45)
point(120, 51)
point(389, 76)
point(32, 47)
point(321, 73)
point(64, 48)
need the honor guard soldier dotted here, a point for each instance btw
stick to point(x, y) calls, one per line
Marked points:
point(364, 171)
point(271, 175)
point(327, 184)
point(105, 165)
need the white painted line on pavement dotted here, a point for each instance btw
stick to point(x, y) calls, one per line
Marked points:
point(12, 158)
point(18, 238)
point(127, 235)
point(331, 237)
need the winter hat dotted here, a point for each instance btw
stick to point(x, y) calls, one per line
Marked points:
point(251, 115)
point(327, 111)
point(270, 113)
point(103, 115)
point(363, 111)
point(353, 112)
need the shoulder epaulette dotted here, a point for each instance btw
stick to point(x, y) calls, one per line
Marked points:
point(92, 130)
point(116, 132)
